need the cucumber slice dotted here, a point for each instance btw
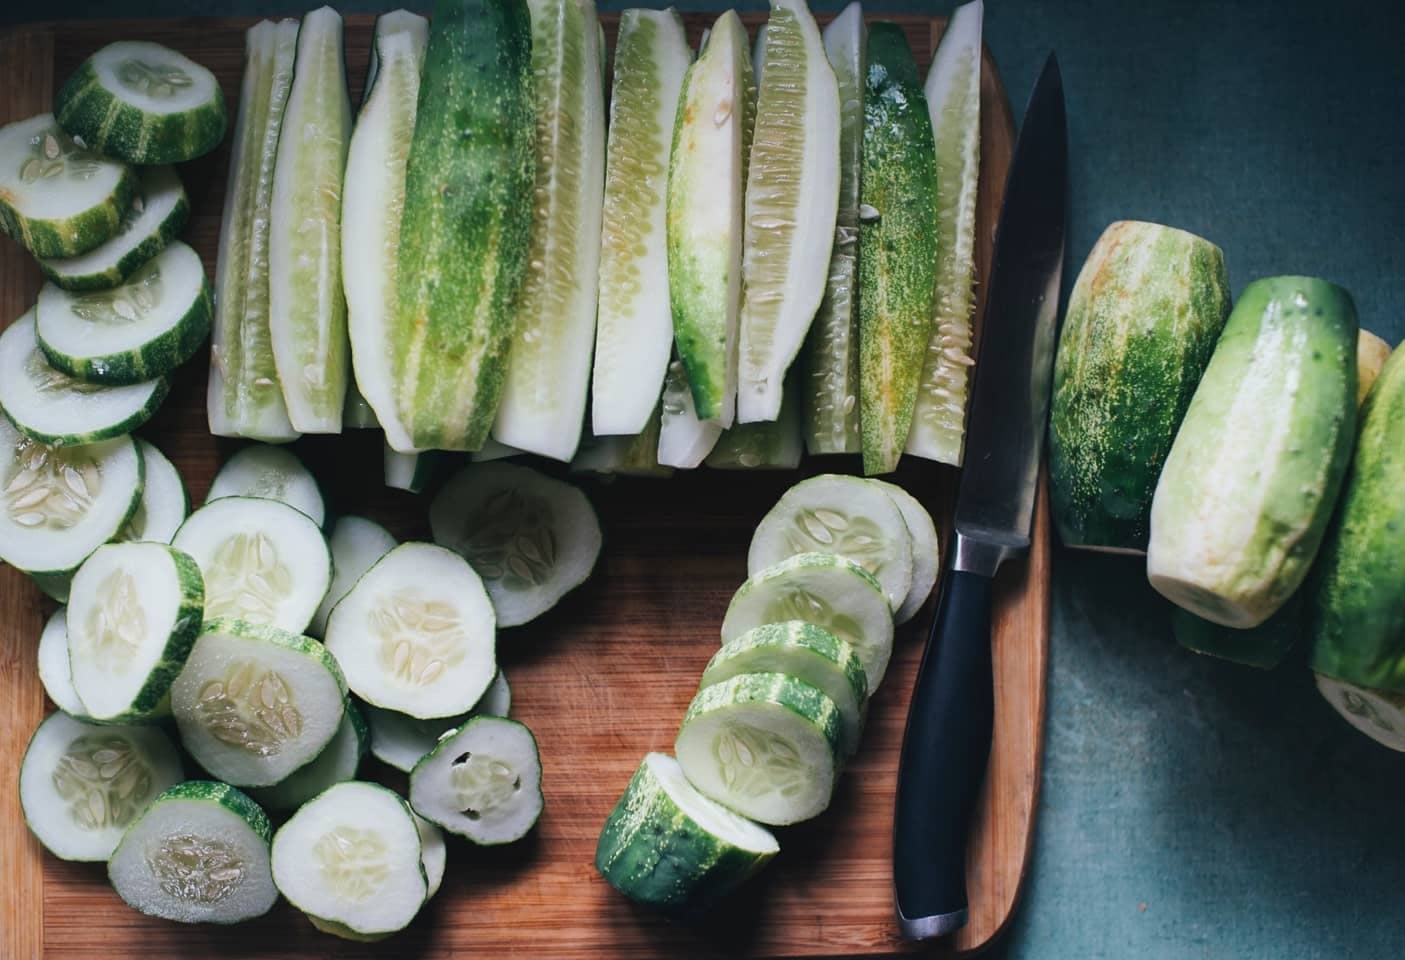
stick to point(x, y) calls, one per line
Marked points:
point(58, 198)
point(352, 856)
point(81, 784)
point(532, 538)
point(273, 473)
point(255, 703)
point(263, 561)
point(133, 614)
point(768, 445)
point(831, 592)
point(482, 781)
point(411, 471)
point(157, 214)
point(497, 701)
point(244, 399)
point(634, 332)
point(141, 330)
point(51, 406)
point(55, 672)
point(667, 846)
point(356, 544)
point(164, 502)
point(764, 744)
point(337, 763)
point(1380, 714)
point(416, 633)
point(143, 103)
point(684, 440)
point(926, 550)
point(434, 853)
point(197, 854)
point(844, 516)
point(399, 741)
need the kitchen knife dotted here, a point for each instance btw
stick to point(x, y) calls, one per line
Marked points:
point(947, 743)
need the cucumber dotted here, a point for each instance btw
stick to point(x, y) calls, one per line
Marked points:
point(53, 407)
point(81, 784)
point(244, 398)
point(1371, 355)
point(410, 471)
point(356, 544)
point(634, 332)
point(1378, 714)
point(464, 253)
point(1264, 646)
point(769, 444)
point(1142, 322)
point(667, 846)
point(434, 854)
point(133, 333)
point(706, 178)
point(337, 763)
point(399, 741)
point(926, 550)
point(263, 561)
point(764, 744)
point(684, 439)
point(158, 212)
point(636, 456)
point(164, 502)
point(481, 781)
point(356, 413)
point(273, 473)
point(1249, 485)
point(532, 538)
point(57, 197)
point(134, 611)
point(55, 672)
point(197, 854)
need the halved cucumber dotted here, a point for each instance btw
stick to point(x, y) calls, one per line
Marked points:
point(164, 503)
point(134, 611)
point(143, 103)
point(157, 214)
point(356, 544)
point(197, 854)
point(58, 198)
point(273, 473)
point(684, 439)
point(532, 538)
point(667, 846)
point(51, 406)
point(926, 551)
point(768, 445)
point(399, 740)
point(482, 781)
point(411, 471)
point(1380, 714)
point(55, 672)
point(337, 763)
point(434, 854)
point(764, 744)
point(81, 784)
point(141, 330)
point(416, 633)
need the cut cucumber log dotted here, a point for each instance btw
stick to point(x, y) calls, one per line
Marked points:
point(81, 784)
point(157, 214)
point(49, 405)
point(55, 672)
point(244, 399)
point(1371, 355)
point(482, 781)
point(164, 503)
point(273, 473)
point(763, 744)
point(684, 439)
point(399, 741)
point(356, 544)
point(197, 854)
point(263, 561)
point(134, 611)
point(926, 550)
point(768, 445)
point(532, 538)
point(434, 853)
point(136, 332)
point(845, 516)
point(1378, 714)
point(634, 330)
point(411, 471)
point(143, 103)
point(953, 92)
point(337, 763)
point(57, 198)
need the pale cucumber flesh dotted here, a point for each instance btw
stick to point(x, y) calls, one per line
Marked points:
point(926, 551)
point(685, 440)
point(482, 782)
point(55, 672)
point(271, 473)
point(356, 544)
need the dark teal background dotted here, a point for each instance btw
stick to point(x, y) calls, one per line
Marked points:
point(1190, 809)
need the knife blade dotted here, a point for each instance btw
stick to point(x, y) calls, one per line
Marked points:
point(946, 746)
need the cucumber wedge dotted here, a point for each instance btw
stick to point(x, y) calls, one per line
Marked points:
point(273, 473)
point(768, 445)
point(482, 781)
point(55, 672)
point(356, 544)
point(164, 504)
point(684, 439)
point(410, 471)
point(337, 763)
point(926, 551)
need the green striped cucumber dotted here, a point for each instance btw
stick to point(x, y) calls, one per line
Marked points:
point(1249, 485)
point(1142, 322)
point(1371, 355)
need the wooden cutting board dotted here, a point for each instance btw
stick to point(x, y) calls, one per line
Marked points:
point(602, 679)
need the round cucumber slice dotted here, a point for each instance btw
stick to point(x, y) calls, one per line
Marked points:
point(1380, 714)
point(482, 781)
point(273, 473)
point(434, 853)
point(926, 550)
point(531, 538)
point(356, 544)
point(399, 741)
point(55, 672)
point(82, 784)
point(164, 504)
point(337, 763)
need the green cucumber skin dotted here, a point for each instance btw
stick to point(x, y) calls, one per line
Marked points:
point(1249, 485)
point(1141, 325)
point(85, 108)
point(898, 249)
point(1264, 646)
point(799, 634)
point(76, 235)
point(264, 633)
point(465, 233)
point(231, 798)
point(807, 702)
point(1358, 607)
point(120, 429)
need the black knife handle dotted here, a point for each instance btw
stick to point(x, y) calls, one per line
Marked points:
point(944, 756)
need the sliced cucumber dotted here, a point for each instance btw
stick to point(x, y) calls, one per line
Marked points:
point(769, 445)
point(434, 854)
point(926, 551)
point(356, 544)
point(55, 672)
point(164, 503)
point(157, 214)
point(273, 473)
point(136, 332)
point(411, 471)
point(133, 614)
point(636, 456)
point(497, 701)
point(532, 538)
point(684, 440)
point(416, 633)
point(667, 846)
point(399, 741)
point(51, 406)
point(263, 561)
point(197, 854)
point(764, 744)
point(58, 198)
point(482, 781)
point(337, 763)
point(1380, 714)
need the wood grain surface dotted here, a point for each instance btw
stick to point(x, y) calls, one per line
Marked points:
point(601, 680)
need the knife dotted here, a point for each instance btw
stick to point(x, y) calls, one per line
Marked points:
point(947, 743)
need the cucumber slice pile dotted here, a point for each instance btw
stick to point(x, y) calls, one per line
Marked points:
point(399, 740)
point(356, 544)
point(55, 672)
point(337, 763)
point(164, 503)
point(273, 473)
point(482, 781)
